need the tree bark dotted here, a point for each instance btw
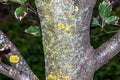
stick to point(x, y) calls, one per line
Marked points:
point(16, 71)
point(108, 50)
point(65, 28)
point(69, 55)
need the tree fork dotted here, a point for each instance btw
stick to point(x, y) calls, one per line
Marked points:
point(65, 28)
point(68, 53)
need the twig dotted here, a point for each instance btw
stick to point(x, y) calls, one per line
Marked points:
point(104, 30)
point(31, 8)
point(32, 11)
point(103, 34)
point(107, 50)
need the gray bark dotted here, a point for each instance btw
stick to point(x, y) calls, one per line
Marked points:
point(67, 48)
point(70, 52)
point(19, 70)
point(69, 55)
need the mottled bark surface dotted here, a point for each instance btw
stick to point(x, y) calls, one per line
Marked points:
point(65, 29)
point(108, 50)
point(19, 70)
point(69, 55)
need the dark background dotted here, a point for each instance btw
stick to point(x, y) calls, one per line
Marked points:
point(31, 46)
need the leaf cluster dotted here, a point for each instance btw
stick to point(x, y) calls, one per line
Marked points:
point(105, 17)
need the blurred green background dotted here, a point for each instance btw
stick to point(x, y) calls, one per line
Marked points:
point(31, 46)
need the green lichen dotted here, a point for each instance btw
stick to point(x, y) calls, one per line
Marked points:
point(47, 1)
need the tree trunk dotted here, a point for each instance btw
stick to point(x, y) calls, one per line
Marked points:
point(69, 55)
point(65, 28)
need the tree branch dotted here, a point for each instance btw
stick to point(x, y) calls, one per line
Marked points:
point(13, 73)
point(10, 72)
point(21, 66)
point(108, 50)
point(5, 69)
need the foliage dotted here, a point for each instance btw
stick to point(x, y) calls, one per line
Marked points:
point(95, 22)
point(105, 9)
point(31, 47)
point(21, 12)
point(111, 70)
point(34, 30)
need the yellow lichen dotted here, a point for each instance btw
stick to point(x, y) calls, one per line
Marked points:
point(51, 77)
point(61, 25)
point(58, 79)
point(69, 34)
point(14, 58)
point(67, 78)
point(70, 15)
point(65, 50)
point(46, 47)
point(55, 6)
point(69, 67)
point(68, 28)
point(76, 8)
point(59, 74)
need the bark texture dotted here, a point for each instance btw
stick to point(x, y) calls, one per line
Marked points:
point(69, 55)
point(108, 50)
point(65, 28)
point(19, 70)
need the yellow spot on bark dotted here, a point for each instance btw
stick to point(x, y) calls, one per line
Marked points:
point(55, 6)
point(68, 28)
point(69, 34)
point(65, 50)
point(67, 78)
point(70, 15)
point(14, 58)
point(51, 77)
point(61, 25)
point(69, 67)
point(58, 78)
point(76, 8)
point(46, 47)
point(59, 74)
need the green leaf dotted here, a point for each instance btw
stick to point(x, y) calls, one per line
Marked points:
point(95, 22)
point(21, 12)
point(105, 9)
point(34, 30)
point(112, 20)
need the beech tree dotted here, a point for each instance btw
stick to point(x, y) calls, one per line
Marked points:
point(65, 27)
